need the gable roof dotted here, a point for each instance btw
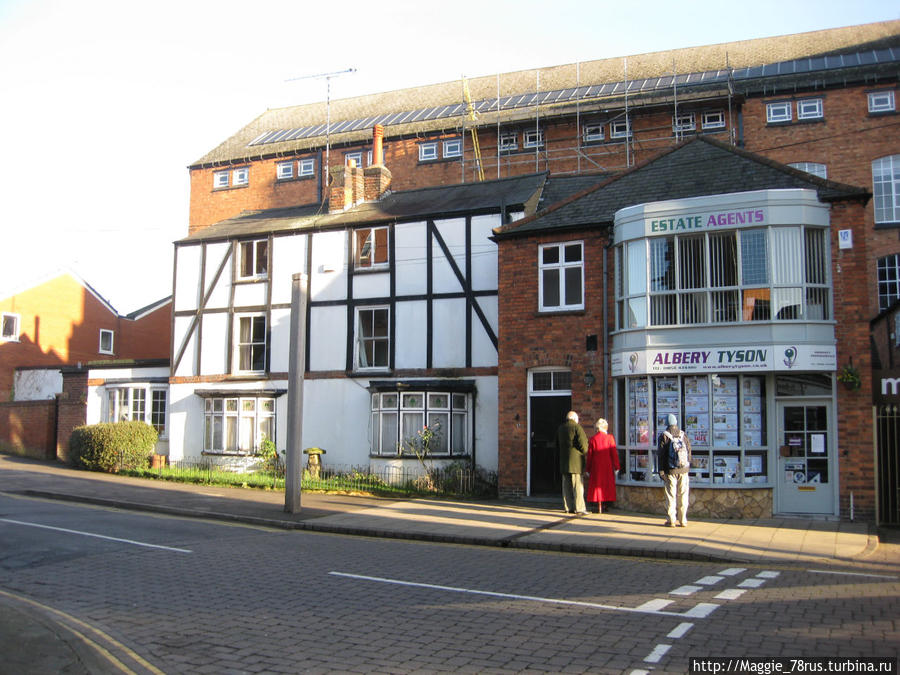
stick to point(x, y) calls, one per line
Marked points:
point(514, 96)
point(520, 192)
point(698, 167)
point(51, 276)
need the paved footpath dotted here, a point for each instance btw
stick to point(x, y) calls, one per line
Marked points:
point(852, 546)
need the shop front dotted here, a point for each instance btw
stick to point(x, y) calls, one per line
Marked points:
point(724, 318)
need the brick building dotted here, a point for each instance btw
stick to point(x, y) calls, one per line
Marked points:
point(822, 102)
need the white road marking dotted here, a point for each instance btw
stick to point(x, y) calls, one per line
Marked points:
point(658, 652)
point(732, 571)
point(701, 610)
point(768, 574)
point(686, 590)
point(709, 581)
point(694, 612)
point(751, 583)
point(680, 630)
point(854, 574)
point(98, 536)
point(657, 603)
point(639, 672)
point(730, 594)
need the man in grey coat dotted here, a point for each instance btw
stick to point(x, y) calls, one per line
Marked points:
point(572, 443)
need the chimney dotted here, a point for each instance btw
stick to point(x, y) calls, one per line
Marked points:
point(377, 176)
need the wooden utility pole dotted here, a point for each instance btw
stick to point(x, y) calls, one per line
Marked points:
point(293, 466)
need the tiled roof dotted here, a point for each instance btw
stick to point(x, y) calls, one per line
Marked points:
point(442, 201)
point(698, 167)
point(703, 60)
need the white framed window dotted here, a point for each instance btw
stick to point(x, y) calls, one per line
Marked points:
point(131, 404)
point(399, 417)
point(159, 410)
point(888, 269)
point(452, 148)
point(356, 157)
point(683, 122)
point(714, 119)
point(372, 343)
point(253, 259)
point(370, 247)
point(240, 176)
point(810, 109)
point(561, 276)
point(284, 170)
point(238, 425)
point(881, 101)
point(306, 167)
point(620, 129)
point(591, 133)
point(106, 341)
point(428, 152)
point(250, 343)
point(886, 189)
point(778, 112)
point(814, 168)
point(509, 141)
point(9, 327)
point(533, 138)
point(220, 179)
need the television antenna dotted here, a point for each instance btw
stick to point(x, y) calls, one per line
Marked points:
point(327, 77)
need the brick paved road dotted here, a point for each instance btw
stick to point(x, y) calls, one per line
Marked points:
point(244, 600)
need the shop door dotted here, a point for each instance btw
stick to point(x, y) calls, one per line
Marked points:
point(805, 479)
point(547, 413)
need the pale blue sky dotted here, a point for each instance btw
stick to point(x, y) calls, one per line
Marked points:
point(106, 102)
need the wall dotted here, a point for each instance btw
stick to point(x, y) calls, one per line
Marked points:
point(72, 409)
point(29, 428)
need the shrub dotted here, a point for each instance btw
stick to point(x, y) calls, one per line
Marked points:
point(112, 447)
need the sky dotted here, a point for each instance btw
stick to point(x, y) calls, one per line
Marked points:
point(104, 103)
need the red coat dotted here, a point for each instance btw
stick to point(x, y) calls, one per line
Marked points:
point(602, 465)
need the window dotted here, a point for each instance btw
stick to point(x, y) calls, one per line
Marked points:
point(240, 176)
point(591, 133)
point(778, 112)
point(106, 341)
point(714, 119)
point(306, 167)
point(561, 280)
point(886, 189)
point(254, 259)
point(399, 417)
point(251, 343)
point(9, 327)
point(620, 129)
point(355, 157)
point(888, 269)
point(814, 168)
point(509, 141)
point(428, 151)
point(683, 122)
point(284, 170)
point(753, 274)
point(220, 179)
point(372, 337)
point(810, 109)
point(453, 148)
point(533, 138)
point(130, 404)
point(371, 247)
point(881, 101)
point(238, 425)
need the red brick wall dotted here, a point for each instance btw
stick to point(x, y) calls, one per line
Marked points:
point(148, 337)
point(29, 428)
point(72, 410)
point(529, 339)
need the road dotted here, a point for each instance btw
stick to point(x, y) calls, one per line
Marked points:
point(171, 595)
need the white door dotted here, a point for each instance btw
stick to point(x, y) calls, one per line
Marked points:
point(805, 479)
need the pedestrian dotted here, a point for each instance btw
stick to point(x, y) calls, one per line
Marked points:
point(572, 443)
point(674, 452)
point(602, 466)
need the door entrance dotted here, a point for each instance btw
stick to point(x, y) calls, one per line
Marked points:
point(805, 479)
point(546, 414)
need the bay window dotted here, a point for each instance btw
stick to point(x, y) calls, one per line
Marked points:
point(137, 404)
point(400, 419)
point(238, 425)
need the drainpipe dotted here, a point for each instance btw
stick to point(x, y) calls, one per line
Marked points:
point(606, 334)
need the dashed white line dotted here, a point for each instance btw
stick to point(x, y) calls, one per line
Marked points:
point(686, 590)
point(751, 583)
point(732, 571)
point(701, 610)
point(731, 594)
point(97, 536)
point(709, 581)
point(680, 630)
point(769, 574)
point(658, 652)
point(854, 574)
point(655, 604)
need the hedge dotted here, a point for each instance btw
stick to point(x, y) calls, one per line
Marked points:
point(112, 447)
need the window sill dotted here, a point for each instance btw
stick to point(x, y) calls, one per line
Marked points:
point(252, 280)
point(294, 179)
point(230, 187)
point(439, 160)
point(559, 312)
point(373, 269)
point(408, 457)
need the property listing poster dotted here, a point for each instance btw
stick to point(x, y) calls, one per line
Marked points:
point(639, 411)
point(668, 401)
point(696, 410)
point(751, 411)
point(725, 412)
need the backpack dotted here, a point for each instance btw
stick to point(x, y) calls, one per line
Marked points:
point(679, 449)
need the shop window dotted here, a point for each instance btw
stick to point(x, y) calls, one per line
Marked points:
point(370, 247)
point(402, 422)
point(888, 270)
point(372, 344)
point(561, 277)
point(253, 259)
point(238, 425)
point(881, 101)
point(886, 189)
point(250, 346)
point(9, 327)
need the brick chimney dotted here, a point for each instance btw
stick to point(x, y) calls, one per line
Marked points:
point(352, 185)
point(377, 176)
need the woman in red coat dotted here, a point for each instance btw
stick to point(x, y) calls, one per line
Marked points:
point(602, 465)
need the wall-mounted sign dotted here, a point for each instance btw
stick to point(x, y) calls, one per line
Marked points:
point(733, 358)
point(708, 220)
point(845, 238)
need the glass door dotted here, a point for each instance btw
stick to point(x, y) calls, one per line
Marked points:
point(805, 479)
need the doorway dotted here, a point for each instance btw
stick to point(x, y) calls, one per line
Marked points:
point(550, 398)
point(805, 477)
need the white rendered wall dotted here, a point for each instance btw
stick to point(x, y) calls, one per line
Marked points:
point(38, 384)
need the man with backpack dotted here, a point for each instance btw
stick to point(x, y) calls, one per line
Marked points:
point(674, 466)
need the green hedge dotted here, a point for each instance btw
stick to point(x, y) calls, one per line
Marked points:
point(112, 447)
